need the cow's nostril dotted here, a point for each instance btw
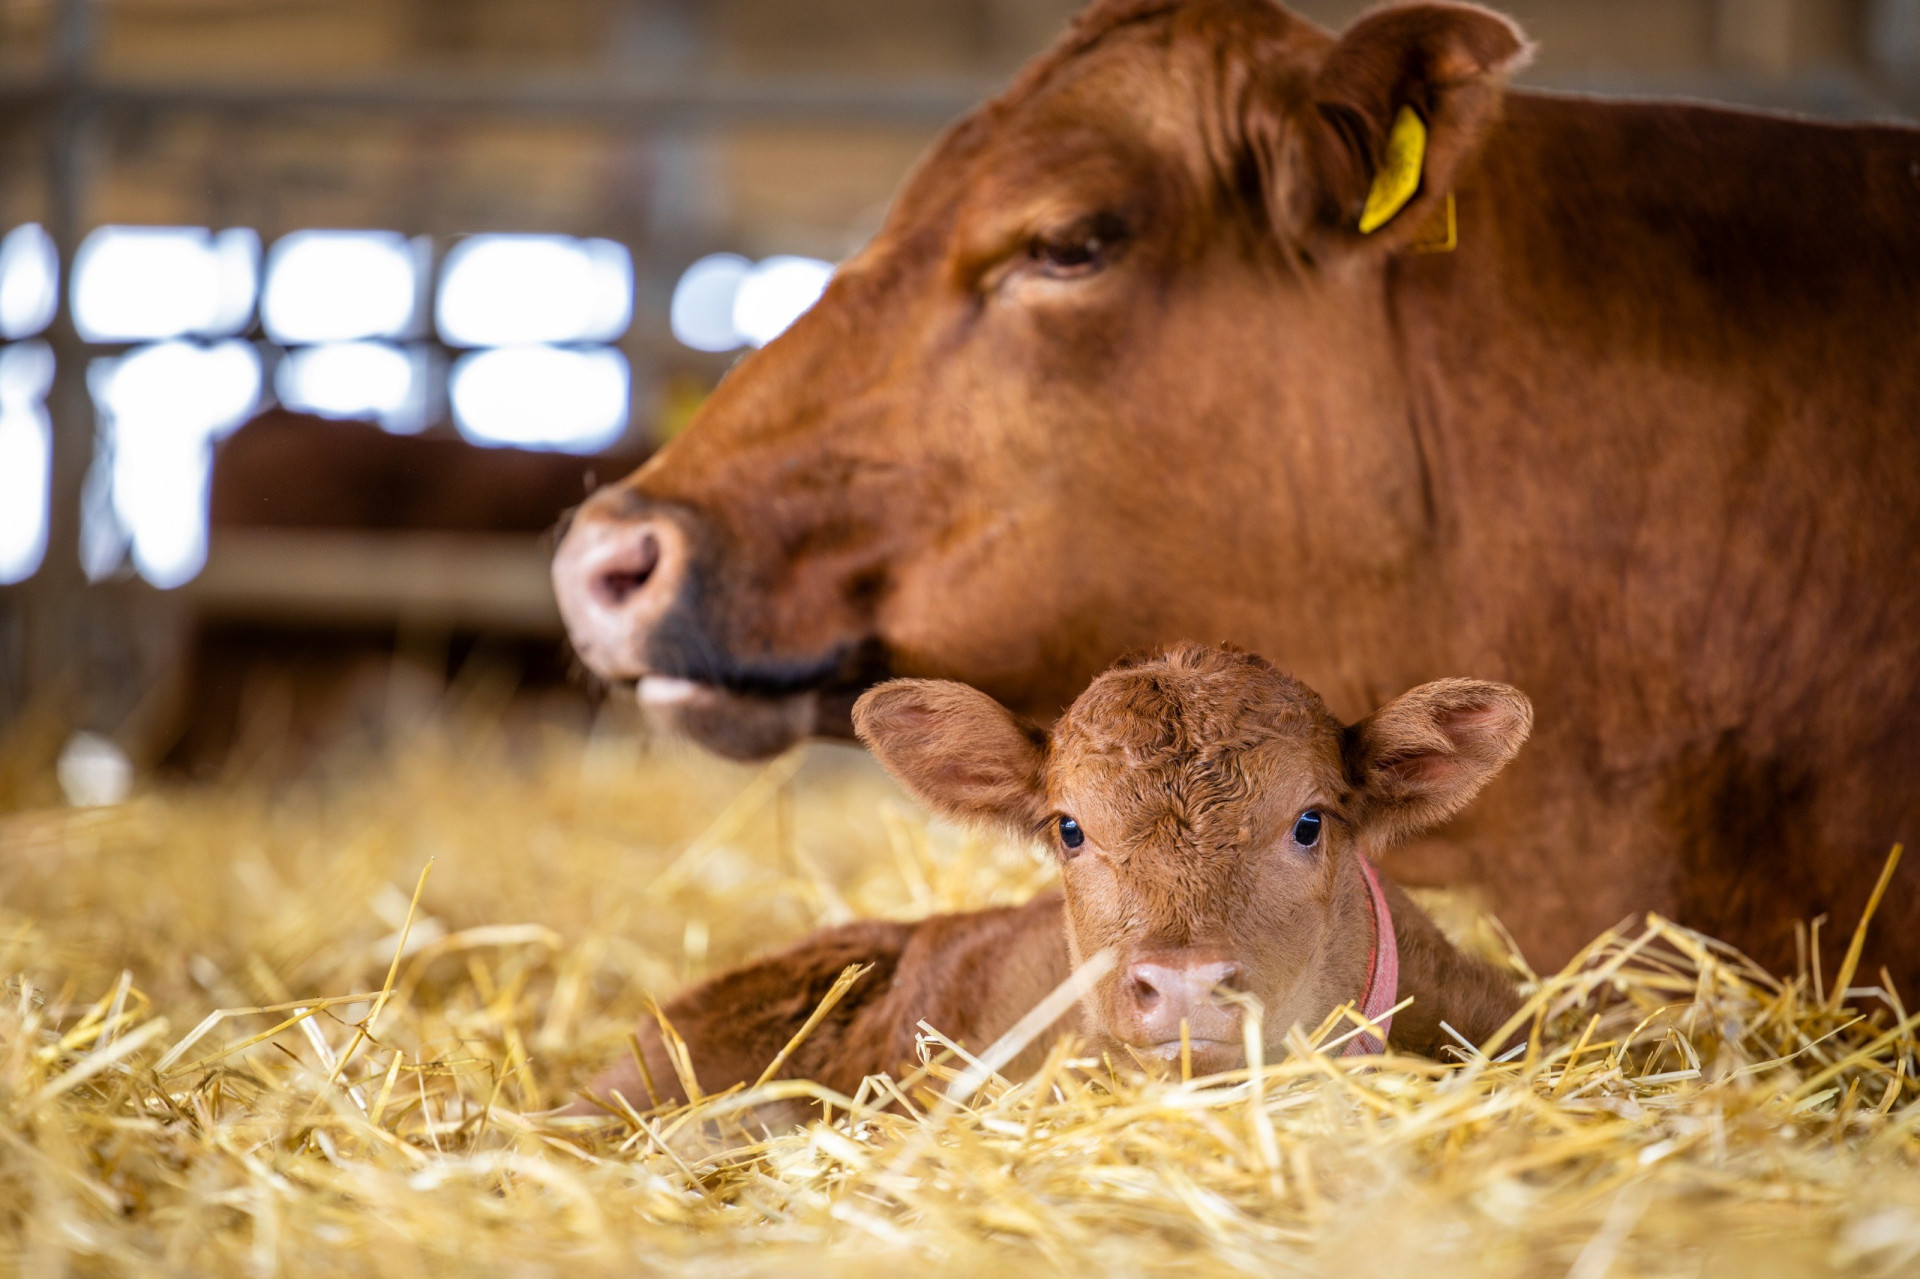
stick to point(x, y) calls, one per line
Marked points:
point(1145, 993)
point(619, 578)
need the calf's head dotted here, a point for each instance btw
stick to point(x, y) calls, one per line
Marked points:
point(1209, 816)
point(1143, 260)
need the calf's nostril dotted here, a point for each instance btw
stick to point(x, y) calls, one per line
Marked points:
point(620, 576)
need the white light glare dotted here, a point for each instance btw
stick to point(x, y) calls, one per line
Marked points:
point(340, 286)
point(359, 380)
point(142, 283)
point(26, 458)
point(777, 293)
point(541, 397)
point(29, 281)
point(724, 301)
point(702, 309)
point(164, 406)
point(511, 290)
point(94, 772)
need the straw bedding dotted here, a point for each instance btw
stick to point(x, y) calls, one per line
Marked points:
point(212, 1063)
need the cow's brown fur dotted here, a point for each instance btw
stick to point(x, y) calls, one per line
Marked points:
point(1643, 443)
point(1187, 772)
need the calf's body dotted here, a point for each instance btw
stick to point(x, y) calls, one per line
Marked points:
point(1213, 824)
point(972, 976)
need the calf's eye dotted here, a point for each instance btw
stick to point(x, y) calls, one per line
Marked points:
point(1071, 836)
point(1306, 830)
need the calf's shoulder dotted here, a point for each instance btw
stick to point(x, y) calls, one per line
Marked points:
point(1446, 984)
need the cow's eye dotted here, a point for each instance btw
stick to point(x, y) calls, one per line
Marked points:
point(1306, 829)
point(1071, 836)
point(1080, 249)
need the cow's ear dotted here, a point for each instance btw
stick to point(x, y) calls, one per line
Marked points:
point(1398, 104)
point(956, 750)
point(1422, 756)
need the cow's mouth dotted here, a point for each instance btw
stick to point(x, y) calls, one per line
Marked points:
point(645, 617)
point(737, 725)
point(752, 713)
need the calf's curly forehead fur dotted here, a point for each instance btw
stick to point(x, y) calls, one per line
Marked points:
point(1195, 750)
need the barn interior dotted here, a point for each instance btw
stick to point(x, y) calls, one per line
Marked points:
point(316, 316)
point(358, 512)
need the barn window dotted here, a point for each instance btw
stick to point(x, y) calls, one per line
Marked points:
point(162, 407)
point(359, 380)
point(29, 281)
point(775, 294)
point(343, 316)
point(532, 301)
point(724, 301)
point(26, 453)
point(150, 283)
point(342, 286)
point(512, 290)
point(702, 311)
point(541, 397)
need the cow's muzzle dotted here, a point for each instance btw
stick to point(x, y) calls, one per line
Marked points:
point(616, 576)
point(628, 578)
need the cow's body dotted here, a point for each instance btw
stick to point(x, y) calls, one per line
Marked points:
point(1644, 445)
point(1669, 412)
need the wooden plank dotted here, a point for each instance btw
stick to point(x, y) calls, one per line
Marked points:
point(492, 582)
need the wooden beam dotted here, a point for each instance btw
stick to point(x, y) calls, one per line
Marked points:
point(1754, 35)
point(629, 100)
point(485, 582)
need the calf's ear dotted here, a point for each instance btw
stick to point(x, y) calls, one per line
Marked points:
point(1420, 758)
point(1396, 107)
point(956, 750)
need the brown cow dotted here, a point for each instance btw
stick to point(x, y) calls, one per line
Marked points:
point(1122, 369)
point(1213, 824)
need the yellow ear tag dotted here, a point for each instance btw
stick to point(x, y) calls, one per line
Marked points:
point(1399, 176)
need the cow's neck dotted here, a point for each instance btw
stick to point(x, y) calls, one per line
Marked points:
point(1316, 542)
point(1641, 293)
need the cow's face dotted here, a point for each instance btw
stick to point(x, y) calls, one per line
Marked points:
point(1209, 816)
point(1120, 323)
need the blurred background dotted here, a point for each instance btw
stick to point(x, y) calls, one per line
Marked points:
point(316, 314)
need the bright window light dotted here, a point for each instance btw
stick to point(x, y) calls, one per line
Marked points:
point(360, 380)
point(340, 286)
point(26, 458)
point(775, 294)
point(702, 309)
point(94, 772)
point(724, 301)
point(511, 290)
point(164, 406)
point(541, 397)
point(29, 281)
point(144, 283)
point(236, 259)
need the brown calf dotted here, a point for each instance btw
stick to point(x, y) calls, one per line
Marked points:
point(1213, 823)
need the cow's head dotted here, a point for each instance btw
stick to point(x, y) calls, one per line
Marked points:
point(1118, 369)
point(1209, 816)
